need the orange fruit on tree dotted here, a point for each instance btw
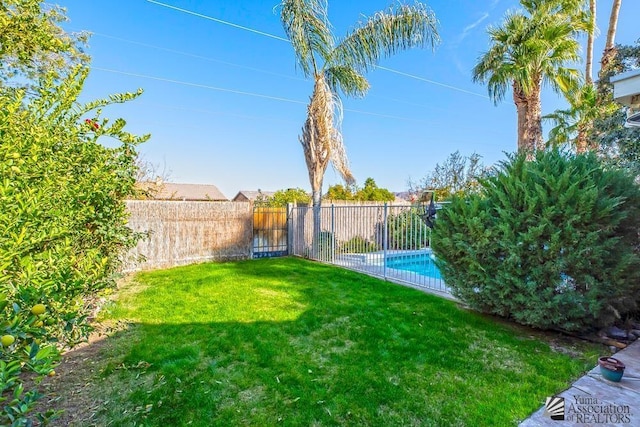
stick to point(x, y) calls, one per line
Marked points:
point(7, 340)
point(38, 309)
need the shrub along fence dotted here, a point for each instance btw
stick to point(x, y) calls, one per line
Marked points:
point(182, 233)
point(387, 241)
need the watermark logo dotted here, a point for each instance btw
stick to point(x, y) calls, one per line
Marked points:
point(554, 408)
point(587, 410)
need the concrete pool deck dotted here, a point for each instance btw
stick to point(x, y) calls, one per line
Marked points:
point(590, 394)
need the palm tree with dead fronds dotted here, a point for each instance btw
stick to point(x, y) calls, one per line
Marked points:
point(337, 66)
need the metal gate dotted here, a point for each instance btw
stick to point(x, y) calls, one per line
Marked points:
point(270, 232)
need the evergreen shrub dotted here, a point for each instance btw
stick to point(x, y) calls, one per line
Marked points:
point(549, 243)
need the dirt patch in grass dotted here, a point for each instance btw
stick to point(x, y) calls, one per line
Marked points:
point(559, 342)
point(70, 390)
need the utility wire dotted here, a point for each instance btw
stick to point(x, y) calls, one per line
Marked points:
point(220, 21)
point(259, 70)
point(262, 33)
point(431, 81)
point(213, 112)
point(219, 89)
point(368, 113)
point(240, 92)
point(193, 55)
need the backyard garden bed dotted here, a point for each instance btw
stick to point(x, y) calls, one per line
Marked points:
point(301, 343)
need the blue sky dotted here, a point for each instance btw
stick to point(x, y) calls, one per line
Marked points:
point(225, 105)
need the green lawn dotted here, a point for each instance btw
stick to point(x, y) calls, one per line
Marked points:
point(292, 342)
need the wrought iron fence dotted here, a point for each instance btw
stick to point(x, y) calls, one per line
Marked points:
point(269, 232)
point(387, 241)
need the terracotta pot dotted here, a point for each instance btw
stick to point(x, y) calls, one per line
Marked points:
point(612, 369)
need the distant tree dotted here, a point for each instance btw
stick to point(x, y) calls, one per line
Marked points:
point(591, 34)
point(573, 126)
point(609, 52)
point(150, 178)
point(290, 195)
point(372, 193)
point(590, 103)
point(340, 192)
point(457, 175)
point(369, 193)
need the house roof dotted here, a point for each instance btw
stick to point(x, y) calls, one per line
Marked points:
point(626, 88)
point(191, 192)
point(252, 195)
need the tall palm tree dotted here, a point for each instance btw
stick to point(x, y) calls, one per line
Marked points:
point(610, 44)
point(588, 72)
point(531, 48)
point(572, 126)
point(338, 66)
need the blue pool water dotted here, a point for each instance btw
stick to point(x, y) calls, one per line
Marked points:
point(417, 263)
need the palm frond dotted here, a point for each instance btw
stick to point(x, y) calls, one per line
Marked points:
point(308, 29)
point(531, 50)
point(321, 138)
point(339, 158)
point(499, 66)
point(346, 79)
point(386, 33)
point(565, 127)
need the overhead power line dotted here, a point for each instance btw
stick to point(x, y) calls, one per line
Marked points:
point(259, 70)
point(203, 86)
point(241, 92)
point(220, 21)
point(431, 81)
point(193, 55)
point(262, 33)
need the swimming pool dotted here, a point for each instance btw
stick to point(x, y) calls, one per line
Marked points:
point(421, 264)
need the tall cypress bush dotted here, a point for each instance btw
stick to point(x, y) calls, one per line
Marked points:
point(550, 243)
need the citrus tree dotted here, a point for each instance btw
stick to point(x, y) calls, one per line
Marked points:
point(63, 225)
point(290, 195)
point(33, 44)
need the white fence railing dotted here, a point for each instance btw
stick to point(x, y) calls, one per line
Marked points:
point(390, 242)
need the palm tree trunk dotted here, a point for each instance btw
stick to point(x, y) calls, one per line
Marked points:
point(533, 140)
point(588, 73)
point(610, 45)
point(316, 197)
point(520, 100)
point(316, 143)
point(315, 178)
point(582, 142)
